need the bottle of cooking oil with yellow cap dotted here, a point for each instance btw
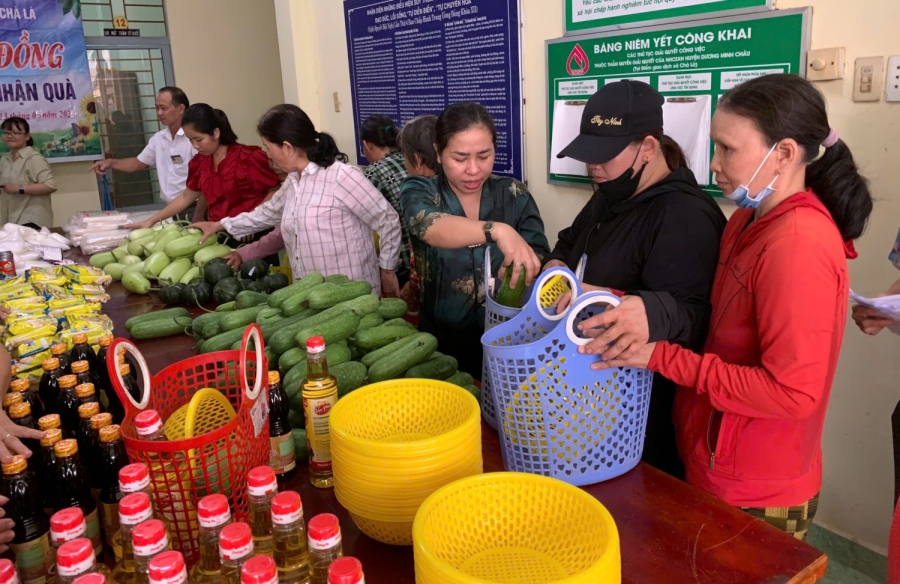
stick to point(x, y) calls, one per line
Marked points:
point(31, 541)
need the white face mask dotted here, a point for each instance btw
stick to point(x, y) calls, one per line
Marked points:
point(741, 195)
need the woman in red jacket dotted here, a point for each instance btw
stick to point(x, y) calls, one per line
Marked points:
point(749, 410)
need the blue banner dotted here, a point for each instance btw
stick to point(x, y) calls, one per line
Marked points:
point(414, 57)
point(45, 79)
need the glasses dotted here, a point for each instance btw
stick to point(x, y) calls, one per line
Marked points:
point(7, 133)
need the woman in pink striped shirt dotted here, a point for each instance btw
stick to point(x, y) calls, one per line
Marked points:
point(326, 208)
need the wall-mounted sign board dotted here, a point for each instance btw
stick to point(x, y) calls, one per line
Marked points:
point(415, 57)
point(691, 63)
point(585, 15)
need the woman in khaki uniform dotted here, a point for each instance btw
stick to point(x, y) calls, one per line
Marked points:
point(25, 179)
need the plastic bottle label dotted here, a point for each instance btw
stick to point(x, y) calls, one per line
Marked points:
point(109, 513)
point(33, 560)
point(318, 436)
point(282, 457)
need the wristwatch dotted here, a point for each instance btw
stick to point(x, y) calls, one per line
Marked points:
point(21, 189)
point(488, 228)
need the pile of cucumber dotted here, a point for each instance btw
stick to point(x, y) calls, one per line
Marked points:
point(366, 339)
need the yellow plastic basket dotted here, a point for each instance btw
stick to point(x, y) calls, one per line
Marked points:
point(389, 532)
point(208, 410)
point(515, 528)
point(556, 287)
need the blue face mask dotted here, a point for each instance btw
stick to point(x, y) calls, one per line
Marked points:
point(741, 195)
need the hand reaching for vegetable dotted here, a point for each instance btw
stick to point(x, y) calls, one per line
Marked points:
point(208, 228)
point(517, 254)
point(234, 260)
point(142, 225)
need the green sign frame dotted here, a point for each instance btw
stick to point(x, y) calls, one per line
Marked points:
point(622, 14)
point(683, 60)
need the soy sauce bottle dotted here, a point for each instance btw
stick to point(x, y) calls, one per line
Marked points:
point(48, 388)
point(89, 455)
point(86, 394)
point(20, 414)
point(23, 387)
point(113, 458)
point(59, 351)
point(82, 371)
point(102, 382)
point(82, 351)
point(281, 436)
point(129, 383)
point(31, 541)
point(67, 405)
point(73, 488)
point(47, 471)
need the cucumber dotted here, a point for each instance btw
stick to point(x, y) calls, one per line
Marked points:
point(187, 246)
point(436, 355)
point(362, 305)
point(337, 279)
point(390, 308)
point(378, 337)
point(236, 346)
point(190, 275)
point(350, 376)
point(291, 383)
point(278, 297)
point(203, 320)
point(268, 315)
point(211, 329)
point(159, 314)
point(397, 322)
point(335, 329)
point(434, 369)
point(270, 329)
point(370, 321)
point(398, 362)
point(370, 358)
point(161, 327)
point(461, 379)
point(289, 359)
point(341, 293)
point(240, 318)
point(335, 354)
point(223, 341)
point(283, 339)
point(355, 352)
point(249, 299)
point(296, 303)
point(228, 306)
point(98, 260)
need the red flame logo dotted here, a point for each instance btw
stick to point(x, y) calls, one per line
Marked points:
point(322, 409)
point(578, 62)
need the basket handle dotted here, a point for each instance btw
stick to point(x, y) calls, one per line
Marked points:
point(115, 376)
point(253, 331)
point(589, 299)
point(582, 265)
point(488, 275)
point(574, 286)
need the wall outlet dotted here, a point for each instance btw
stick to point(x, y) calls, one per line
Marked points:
point(868, 78)
point(826, 64)
point(337, 102)
point(892, 87)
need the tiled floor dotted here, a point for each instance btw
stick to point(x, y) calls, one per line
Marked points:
point(848, 562)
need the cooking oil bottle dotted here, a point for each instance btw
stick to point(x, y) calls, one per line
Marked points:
point(113, 457)
point(235, 548)
point(260, 570)
point(149, 426)
point(324, 546)
point(319, 396)
point(134, 509)
point(73, 489)
point(148, 540)
point(213, 514)
point(76, 558)
point(135, 478)
point(346, 570)
point(262, 486)
point(8, 573)
point(65, 526)
point(289, 536)
point(31, 532)
point(168, 568)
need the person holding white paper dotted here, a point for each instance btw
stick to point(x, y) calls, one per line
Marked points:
point(869, 320)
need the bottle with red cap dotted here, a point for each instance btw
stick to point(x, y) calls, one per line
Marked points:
point(324, 546)
point(214, 514)
point(76, 558)
point(261, 570)
point(168, 568)
point(8, 573)
point(149, 426)
point(148, 540)
point(346, 570)
point(235, 548)
point(65, 526)
point(135, 478)
point(73, 488)
point(319, 391)
point(134, 509)
point(262, 486)
point(31, 541)
point(289, 536)
point(95, 578)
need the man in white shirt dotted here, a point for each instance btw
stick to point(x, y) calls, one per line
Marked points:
point(169, 150)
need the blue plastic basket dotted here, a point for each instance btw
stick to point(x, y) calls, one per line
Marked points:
point(495, 314)
point(558, 418)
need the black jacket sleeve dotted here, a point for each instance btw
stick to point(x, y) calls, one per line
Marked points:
point(569, 238)
point(679, 272)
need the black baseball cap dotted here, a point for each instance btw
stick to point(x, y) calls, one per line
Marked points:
point(613, 118)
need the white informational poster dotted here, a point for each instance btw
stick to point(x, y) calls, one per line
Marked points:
point(566, 127)
point(687, 121)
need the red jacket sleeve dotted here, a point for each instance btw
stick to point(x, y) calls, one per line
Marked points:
point(256, 171)
point(194, 171)
point(797, 289)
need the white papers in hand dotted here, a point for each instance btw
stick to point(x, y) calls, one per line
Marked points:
point(886, 305)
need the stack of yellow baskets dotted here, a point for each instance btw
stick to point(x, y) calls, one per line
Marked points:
point(394, 444)
point(513, 527)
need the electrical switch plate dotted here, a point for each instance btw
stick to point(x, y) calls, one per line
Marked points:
point(892, 89)
point(826, 64)
point(868, 77)
point(337, 102)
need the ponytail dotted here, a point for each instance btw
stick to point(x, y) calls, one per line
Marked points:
point(288, 123)
point(787, 106)
point(380, 131)
point(206, 120)
point(672, 152)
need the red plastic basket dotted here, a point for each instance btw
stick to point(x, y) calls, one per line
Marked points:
point(184, 471)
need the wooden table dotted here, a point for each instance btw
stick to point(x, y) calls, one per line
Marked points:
point(670, 532)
